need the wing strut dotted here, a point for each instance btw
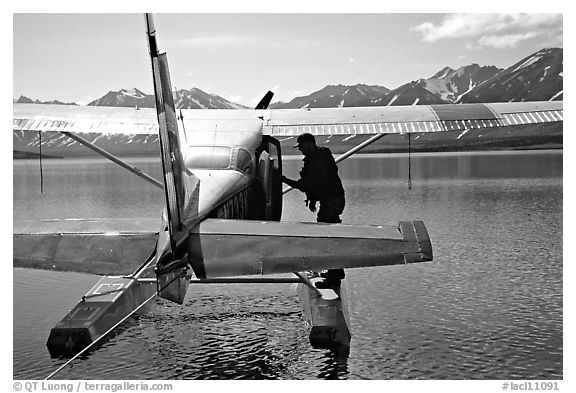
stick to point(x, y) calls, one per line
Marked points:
point(350, 152)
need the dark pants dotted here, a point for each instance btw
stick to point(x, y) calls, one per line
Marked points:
point(329, 212)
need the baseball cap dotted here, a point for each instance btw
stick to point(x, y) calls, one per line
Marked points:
point(303, 138)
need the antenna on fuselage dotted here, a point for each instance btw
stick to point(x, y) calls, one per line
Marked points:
point(180, 116)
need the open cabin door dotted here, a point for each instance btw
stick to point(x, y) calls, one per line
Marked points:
point(270, 177)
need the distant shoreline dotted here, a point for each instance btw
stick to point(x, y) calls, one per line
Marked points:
point(28, 155)
point(447, 149)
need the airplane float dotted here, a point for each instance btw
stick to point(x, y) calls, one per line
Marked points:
point(223, 190)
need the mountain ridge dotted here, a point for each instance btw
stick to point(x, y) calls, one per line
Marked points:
point(537, 77)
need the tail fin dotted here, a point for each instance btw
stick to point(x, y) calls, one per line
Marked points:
point(179, 184)
point(181, 187)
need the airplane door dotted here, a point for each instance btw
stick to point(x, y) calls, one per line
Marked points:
point(270, 178)
point(276, 187)
point(265, 176)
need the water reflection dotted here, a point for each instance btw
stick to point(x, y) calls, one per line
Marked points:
point(334, 365)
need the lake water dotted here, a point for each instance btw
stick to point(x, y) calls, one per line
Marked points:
point(488, 307)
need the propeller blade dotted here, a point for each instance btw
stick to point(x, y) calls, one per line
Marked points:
point(265, 101)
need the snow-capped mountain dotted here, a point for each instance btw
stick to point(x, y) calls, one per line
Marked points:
point(538, 77)
point(198, 99)
point(333, 96)
point(125, 97)
point(185, 99)
point(442, 73)
point(447, 85)
point(26, 100)
point(451, 84)
point(413, 93)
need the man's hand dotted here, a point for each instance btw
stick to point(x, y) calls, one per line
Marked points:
point(291, 183)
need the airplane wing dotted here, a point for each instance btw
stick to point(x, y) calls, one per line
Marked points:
point(408, 119)
point(221, 247)
point(290, 122)
point(84, 119)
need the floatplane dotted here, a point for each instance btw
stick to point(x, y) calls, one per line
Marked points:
point(221, 222)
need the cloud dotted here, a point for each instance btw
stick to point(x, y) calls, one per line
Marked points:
point(554, 38)
point(353, 60)
point(505, 41)
point(471, 46)
point(488, 25)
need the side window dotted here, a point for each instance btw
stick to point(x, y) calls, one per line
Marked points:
point(244, 161)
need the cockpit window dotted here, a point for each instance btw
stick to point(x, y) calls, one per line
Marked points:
point(208, 157)
point(244, 161)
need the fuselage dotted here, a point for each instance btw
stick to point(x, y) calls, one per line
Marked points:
point(225, 156)
point(224, 161)
point(231, 171)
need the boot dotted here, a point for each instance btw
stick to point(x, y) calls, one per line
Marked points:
point(328, 284)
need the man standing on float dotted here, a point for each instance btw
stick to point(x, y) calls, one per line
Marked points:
point(320, 182)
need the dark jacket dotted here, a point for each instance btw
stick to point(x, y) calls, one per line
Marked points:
point(319, 176)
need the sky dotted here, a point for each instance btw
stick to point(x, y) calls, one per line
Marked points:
point(239, 56)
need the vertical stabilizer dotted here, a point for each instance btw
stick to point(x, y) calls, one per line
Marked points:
point(180, 185)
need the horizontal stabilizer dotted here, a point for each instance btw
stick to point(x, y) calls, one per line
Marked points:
point(238, 247)
point(98, 246)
